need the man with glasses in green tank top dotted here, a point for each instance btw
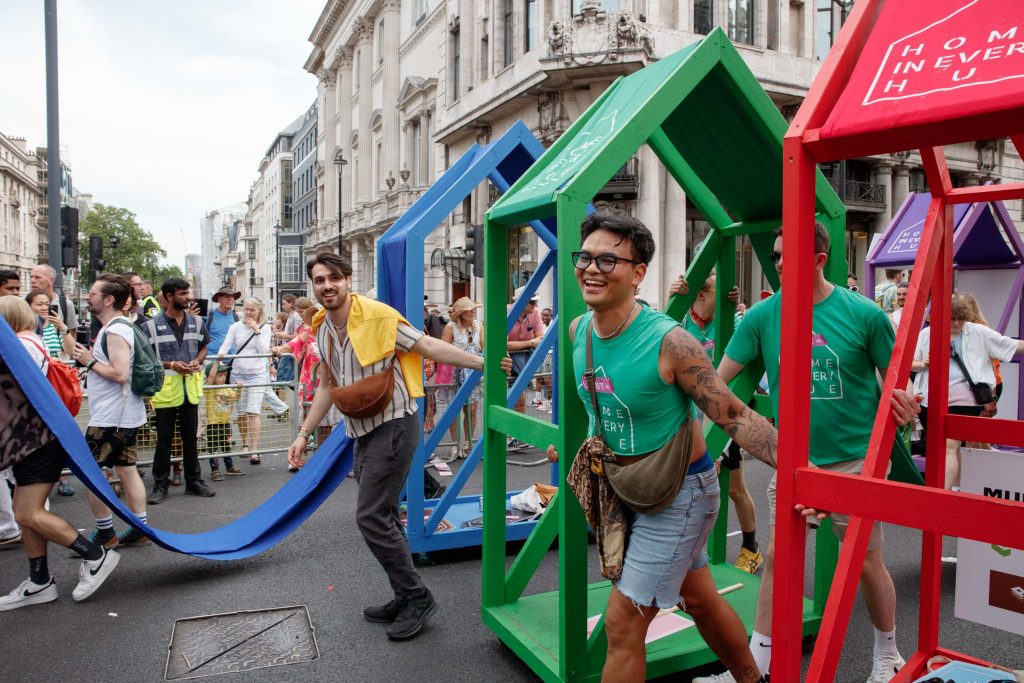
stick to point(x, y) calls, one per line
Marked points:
point(649, 372)
point(851, 342)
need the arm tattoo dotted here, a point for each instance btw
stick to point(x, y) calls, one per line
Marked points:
point(698, 378)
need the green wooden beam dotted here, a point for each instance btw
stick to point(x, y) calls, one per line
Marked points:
point(752, 227)
point(533, 551)
point(523, 427)
point(573, 421)
point(699, 194)
point(703, 262)
point(495, 389)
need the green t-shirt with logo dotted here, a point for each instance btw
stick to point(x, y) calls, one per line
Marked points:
point(851, 339)
point(640, 412)
point(705, 335)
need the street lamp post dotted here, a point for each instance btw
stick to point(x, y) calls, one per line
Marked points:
point(340, 162)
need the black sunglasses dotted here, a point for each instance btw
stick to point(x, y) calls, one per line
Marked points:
point(605, 262)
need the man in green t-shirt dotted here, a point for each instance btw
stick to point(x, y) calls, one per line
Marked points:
point(851, 342)
point(700, 322)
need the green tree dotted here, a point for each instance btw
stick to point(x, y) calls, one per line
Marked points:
point(136, 249)
point(162, 273)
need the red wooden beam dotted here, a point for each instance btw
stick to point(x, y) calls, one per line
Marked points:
point(989, 430)
point(828, 85)
point(930, 610)
point(986, 193)
point(935, 169)
point(942, 132)
point(851, 557)
point(1018, 142)
point(913, 668)
point(794, 410)
point(952, 513)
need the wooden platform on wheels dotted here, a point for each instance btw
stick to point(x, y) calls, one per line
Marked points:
point(530, 627)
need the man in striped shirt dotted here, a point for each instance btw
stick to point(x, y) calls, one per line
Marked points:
point(384, 443)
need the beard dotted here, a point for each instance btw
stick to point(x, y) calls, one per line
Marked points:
point(334, 305)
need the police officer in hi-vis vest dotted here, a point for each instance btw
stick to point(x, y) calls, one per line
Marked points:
point(181, 340)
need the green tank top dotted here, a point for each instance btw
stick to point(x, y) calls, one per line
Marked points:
point(639, 411)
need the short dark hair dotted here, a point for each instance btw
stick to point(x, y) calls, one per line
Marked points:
point(890, 273)
point(172, 286)
point(128, 275)
point(336, 264)
point(31, 296)
point(822, 241)
point(903, 285)
point(627, 228)
point(290, 298)
point(851, 276)
point(6, 275)
point(117, 286)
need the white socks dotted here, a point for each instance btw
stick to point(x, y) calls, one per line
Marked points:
point(761, 649)
point(885, 643)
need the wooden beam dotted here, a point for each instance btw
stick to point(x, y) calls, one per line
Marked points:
point(986, 193)
point(951, 513)
point(990, 430)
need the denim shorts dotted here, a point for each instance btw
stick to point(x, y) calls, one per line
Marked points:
point(665, 546)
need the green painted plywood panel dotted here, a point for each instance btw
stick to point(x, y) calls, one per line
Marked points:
point(604, 122)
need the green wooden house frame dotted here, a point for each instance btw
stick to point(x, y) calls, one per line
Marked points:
point(708, 120)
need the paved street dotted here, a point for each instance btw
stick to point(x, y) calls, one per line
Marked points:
point(122, 633)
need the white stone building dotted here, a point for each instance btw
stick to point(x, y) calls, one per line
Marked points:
point(22, 207)
point(218, 253)
point(407, 87)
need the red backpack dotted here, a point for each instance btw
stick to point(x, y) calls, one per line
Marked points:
point(64, 381)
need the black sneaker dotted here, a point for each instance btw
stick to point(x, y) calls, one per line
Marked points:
point(198, 488)
point(383, 614)
point(414, 614)
point(104, 537)
point(132, 537)
point(158, 496)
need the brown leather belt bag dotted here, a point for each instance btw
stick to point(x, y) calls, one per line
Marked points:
point(365, 398)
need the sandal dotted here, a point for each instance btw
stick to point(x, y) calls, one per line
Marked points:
point(254, 460)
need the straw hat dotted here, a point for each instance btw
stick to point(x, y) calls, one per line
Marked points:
point(462, 305)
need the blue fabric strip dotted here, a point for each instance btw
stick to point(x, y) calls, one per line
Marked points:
point(253, 533)
point(704, 464)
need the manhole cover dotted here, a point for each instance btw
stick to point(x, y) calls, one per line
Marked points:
point(240, 641)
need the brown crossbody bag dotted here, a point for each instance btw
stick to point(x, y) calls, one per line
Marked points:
point(364, 398)
point(646, 483)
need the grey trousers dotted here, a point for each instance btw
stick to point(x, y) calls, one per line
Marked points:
point(382, 461)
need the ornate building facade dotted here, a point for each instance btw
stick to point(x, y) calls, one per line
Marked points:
point(407, 87)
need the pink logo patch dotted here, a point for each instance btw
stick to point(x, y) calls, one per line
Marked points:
point(604, 385)
point(709, 344)
point(818, 340)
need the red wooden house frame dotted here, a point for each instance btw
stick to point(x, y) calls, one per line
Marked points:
point(902, 75)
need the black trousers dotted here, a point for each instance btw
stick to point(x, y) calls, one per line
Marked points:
point(382, 461)
point(187, 418)
point(973, 411)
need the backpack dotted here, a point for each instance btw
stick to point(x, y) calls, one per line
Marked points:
point(64, 381)
point(147, 376)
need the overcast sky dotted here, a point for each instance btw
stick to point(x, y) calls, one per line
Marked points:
point(166, 108)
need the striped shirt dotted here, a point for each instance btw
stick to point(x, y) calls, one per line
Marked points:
point(347, 370)
point(52, 340)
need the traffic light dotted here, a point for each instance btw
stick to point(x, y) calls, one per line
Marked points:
point(96, 261)
point(69, 237)
point(475, 249)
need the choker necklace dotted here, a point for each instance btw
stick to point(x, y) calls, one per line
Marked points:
point(621, 325)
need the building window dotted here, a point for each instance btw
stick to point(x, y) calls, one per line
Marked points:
point(530, 41)
point(831, 17)
point(290, 264)
point(421, 10)
point(741, 21)
point(380, 42)
point(456, 62)
point(417, 141)
point(252, 250)
point(507, 28)
point(703, 16)
point(379, 163)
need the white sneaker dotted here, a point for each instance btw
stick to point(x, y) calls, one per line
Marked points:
point(884, 668)
point(92, 574)
point(717, 678)
point(29, 593)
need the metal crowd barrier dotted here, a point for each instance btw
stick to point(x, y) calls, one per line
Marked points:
point(277, 428)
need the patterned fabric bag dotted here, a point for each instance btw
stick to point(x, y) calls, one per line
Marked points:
point(600, 504)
